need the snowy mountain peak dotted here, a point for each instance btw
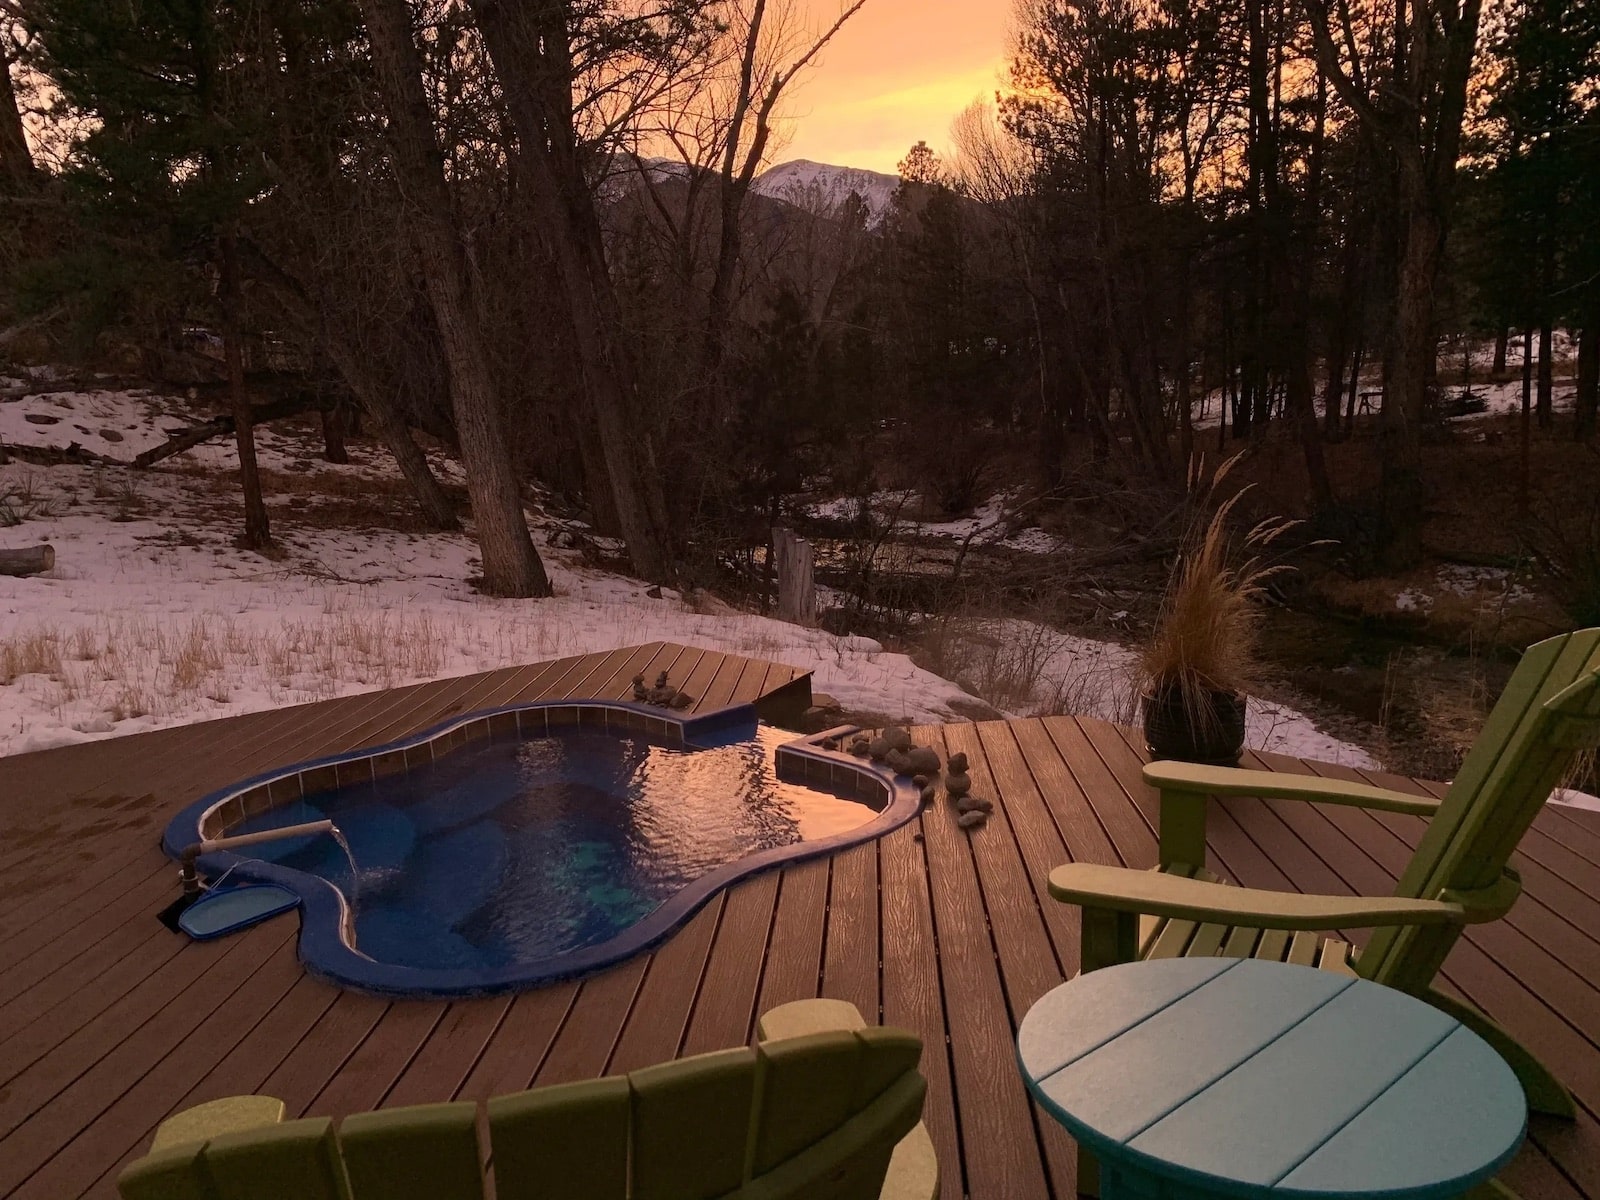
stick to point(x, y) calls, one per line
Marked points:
point(823, 186)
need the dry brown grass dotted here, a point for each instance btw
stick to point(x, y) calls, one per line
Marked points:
point(1205, 637)
point(35, 653)
point(1027, 666)
point(131, 667)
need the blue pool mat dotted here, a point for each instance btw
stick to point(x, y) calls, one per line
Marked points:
point(229, 911)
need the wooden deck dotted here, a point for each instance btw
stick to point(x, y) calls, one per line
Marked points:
point(108, 1023)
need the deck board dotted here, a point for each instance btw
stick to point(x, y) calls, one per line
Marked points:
point(108, 1023)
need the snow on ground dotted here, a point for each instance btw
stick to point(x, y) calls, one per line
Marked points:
point(1038, 669)
point(989, 524)
point(1572, 798)
point(1483, 584)
point(151, 617)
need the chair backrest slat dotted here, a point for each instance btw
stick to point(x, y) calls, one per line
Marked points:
point(428, 1152)
point(691, 1125)
point(567, 1140)
point(297, 1158)
point(808, 1086)
point(1527, 744)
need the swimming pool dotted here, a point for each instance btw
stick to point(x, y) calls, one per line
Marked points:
point(517, 846)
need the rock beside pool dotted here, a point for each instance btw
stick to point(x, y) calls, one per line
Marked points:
point(973, 819)
point(923, 760)
point(968, 804)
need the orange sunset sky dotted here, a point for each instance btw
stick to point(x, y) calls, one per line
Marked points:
point(898, 72)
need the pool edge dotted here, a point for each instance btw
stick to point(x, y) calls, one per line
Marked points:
point(325, 948)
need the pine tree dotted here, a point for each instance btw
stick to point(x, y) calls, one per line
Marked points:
point(165, 176)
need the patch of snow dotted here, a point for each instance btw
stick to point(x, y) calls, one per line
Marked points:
point(1085, 677)
point(1279, 729)
point(1469, 581)
point(1572, 798)
point(987, 524)
point(1412, 600)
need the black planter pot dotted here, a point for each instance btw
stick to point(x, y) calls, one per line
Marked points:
point(1170, 730)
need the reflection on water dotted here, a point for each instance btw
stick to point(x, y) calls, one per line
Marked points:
point(513, 852)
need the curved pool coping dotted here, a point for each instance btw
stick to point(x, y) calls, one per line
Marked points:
point(326, 937)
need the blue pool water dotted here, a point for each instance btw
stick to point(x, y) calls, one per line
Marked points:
point(508, 853)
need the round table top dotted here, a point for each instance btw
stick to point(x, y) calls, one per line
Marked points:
point(1268, 1079)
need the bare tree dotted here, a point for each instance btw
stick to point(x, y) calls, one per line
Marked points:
point(16, 163)
point(537, 60)
point(773, 52)
point(1412, 110)
point(511, 565)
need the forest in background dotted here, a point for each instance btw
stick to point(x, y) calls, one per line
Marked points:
point(532, 230)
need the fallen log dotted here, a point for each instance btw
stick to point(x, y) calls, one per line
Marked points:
point(182, 440)
point(55, 456)
point(28, 561)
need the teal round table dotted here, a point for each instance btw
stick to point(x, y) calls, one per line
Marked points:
point(1221, 1077)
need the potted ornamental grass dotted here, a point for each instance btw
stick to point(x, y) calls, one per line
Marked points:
point(1201, 658)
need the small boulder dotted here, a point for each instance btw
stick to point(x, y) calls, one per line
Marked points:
point(898, 738)
point(929, 794)
point(924, 760)
point(680, 700)
point(877, 748)
point(957, 783)
point(973, 819)
point(920, 781)
point(958, 763)
point(897, 761)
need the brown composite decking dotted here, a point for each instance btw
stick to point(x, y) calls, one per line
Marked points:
point(108, 1023)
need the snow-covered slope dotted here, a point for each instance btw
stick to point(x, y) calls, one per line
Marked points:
point(152, 617)
point(817, 185)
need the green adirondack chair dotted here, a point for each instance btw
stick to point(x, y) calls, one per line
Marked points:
point(1550, 710)
point(794, 1118)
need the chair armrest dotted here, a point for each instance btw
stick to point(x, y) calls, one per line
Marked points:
point(1171, 776)
point(1120, 889)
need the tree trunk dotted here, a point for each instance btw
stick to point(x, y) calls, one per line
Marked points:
point(529, 44)
point(333, 448)
point(257, 531)
point(413, 464)
point(390, 429)
point(511, 565)
point(1355, 388)
point(1299, 400)
point(1525, 429)
point(1501, 340)
point(1586, 404)
point(1405, 396)
point(1546, 402)
point(16, 163)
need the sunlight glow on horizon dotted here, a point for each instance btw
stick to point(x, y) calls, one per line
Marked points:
point(898, 73)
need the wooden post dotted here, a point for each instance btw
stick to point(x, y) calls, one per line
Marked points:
point(797, 593)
